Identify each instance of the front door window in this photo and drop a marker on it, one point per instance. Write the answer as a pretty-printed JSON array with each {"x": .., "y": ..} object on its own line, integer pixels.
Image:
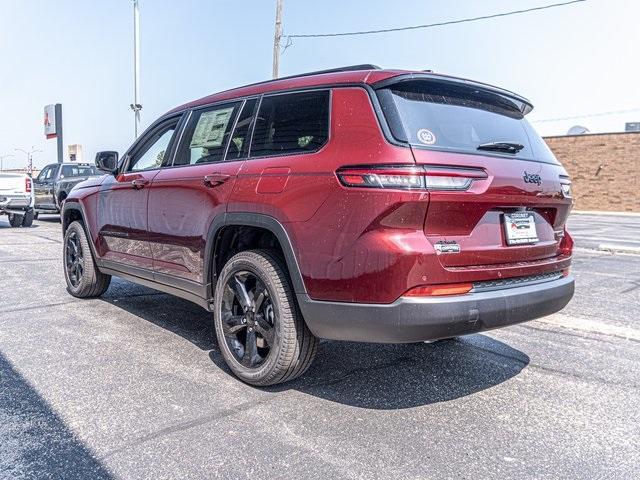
[{"x": 153, "y": 153}]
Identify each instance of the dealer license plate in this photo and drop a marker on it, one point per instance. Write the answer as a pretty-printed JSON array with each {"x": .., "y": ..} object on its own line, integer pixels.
[{"x": 520, "y": 228}]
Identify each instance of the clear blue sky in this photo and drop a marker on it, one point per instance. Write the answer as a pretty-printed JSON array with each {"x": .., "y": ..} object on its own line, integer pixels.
[{"x": 569, "y": 61}]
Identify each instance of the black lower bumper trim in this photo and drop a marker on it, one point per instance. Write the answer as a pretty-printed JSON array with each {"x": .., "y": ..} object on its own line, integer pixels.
[{"x": 430, "y": 318}]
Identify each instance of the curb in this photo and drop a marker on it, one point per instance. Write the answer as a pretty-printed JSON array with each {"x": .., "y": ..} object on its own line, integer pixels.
[
  {"x": 609, "y": 247},
  {"x": 606, "y": 213}
]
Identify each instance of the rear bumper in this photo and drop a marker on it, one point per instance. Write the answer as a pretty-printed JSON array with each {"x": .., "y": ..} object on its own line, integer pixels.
[
  {"x": 431, "y": 318},
  {"x": 15, "y": 203}
]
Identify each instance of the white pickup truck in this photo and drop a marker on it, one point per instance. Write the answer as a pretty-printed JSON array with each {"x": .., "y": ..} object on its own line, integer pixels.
[{"x": 17, "y": 198}]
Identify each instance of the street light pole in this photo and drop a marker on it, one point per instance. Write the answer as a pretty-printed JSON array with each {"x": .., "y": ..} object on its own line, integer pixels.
[
  {"x": 2, "y": 157},
  {"x": 276, "y": 39},
  {"x": 29, "y": 157},
  {"x": 136, "y": 106}
]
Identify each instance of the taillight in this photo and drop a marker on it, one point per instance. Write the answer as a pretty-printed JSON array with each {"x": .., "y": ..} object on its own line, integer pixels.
[
  {"x": 437, "y": 290},
  {"x": 566, "y": 244},
  {"x": 410, "y": 177},
  {"x": 27, "y": 185}
]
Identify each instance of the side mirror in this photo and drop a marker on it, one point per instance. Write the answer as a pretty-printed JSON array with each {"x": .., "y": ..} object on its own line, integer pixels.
[{"x": 107, "y": 161}]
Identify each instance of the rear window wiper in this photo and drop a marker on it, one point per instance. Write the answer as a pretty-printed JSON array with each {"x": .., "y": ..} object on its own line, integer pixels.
[{"x": 508, "y": 147}]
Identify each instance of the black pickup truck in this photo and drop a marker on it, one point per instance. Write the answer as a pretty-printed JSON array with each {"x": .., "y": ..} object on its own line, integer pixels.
[{"x": 56, "y": 180}]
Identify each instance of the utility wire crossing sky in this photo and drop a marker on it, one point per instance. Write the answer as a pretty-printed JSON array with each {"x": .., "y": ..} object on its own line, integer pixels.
[{"x": 439, "y": 24}]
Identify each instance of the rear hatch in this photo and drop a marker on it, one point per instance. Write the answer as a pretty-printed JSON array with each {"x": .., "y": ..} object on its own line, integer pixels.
[{"x": 454, "y": 124}]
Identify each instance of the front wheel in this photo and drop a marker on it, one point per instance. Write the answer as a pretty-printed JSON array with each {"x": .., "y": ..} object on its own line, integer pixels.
[
  {"x": 83, "y": 278},
  {"x": 260, "y": 330}
]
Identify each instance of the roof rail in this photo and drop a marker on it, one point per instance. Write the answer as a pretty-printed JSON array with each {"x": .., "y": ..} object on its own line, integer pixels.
[{"x": 350, "y": 68}]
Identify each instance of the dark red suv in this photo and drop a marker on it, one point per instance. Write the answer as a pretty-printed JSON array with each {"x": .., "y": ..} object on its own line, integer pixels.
[{"x": 351, "y": 204}]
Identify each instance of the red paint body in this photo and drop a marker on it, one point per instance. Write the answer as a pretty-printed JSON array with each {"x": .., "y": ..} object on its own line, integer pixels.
[{"x": 351, "y": 244}]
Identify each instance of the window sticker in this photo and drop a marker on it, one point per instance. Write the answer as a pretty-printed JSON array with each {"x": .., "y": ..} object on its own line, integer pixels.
[
  {"x": 210, "y": 128},
  {"x": 426, "y": 136}
]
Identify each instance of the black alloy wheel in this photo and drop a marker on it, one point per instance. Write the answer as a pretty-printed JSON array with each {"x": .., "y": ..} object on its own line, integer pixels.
[
  {"x": 261, "y": 333},
  {"x": 83, "y": 278},
  {"x": 248, "y": 320},
  {"x": 74, "y": 259}
]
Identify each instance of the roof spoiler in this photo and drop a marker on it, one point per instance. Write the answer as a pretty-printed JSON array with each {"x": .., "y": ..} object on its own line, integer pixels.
[{"x": 525, "y": 106}]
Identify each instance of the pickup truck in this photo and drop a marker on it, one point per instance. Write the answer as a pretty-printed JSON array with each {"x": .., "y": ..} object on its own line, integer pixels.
[
  {"x": 55, "y": 181},
  {"x": 17, "y": 199}
]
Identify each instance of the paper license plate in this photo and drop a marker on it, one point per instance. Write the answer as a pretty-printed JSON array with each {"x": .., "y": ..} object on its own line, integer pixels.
[{"x": 520, "y": 228}]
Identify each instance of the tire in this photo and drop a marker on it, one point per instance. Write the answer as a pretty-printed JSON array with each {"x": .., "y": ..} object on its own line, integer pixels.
[
  {"x": 285, "y": 347},
  {"x": 83, "y": 278},
  {"x": 15, "y": 220},
  {"x": 35, "y": 215},
  {"x": 27, "y": 220}
]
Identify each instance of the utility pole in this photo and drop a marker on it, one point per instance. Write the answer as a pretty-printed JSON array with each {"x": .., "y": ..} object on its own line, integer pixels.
[
  {"x": 276, "y": 39},
  {"x": 2, "y": 157},
  {"x": 136, "y": 106},
  {"x": 59, "y": 141}
]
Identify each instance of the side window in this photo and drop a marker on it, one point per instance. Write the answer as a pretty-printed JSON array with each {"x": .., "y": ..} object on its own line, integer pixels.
[
  {"x": 239, "y": 145},
  {"x": 69, "y": 171},
  {"x": 206, "y": 137},
  {"x": 45, "y": 174},
  {"x": 291, "y": 123},
  {"x": 153, "y": 152},
  {"x": 76, "y": 171}
]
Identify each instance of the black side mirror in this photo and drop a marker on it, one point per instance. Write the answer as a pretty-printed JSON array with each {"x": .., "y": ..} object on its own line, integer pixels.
[{"x": 107, "y": 161}]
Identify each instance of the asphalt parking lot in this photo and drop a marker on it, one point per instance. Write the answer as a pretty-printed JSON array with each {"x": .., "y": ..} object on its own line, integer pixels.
[{"x": 132, "y": 385}]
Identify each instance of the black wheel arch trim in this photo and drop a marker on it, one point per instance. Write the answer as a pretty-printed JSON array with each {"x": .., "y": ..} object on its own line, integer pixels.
[
  {"x": 251, "y": 220},
  {"x": 77, "y": 206}
]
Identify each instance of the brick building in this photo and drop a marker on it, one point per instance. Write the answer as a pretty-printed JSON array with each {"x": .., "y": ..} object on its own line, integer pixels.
[{"x": 604, "y": 168}]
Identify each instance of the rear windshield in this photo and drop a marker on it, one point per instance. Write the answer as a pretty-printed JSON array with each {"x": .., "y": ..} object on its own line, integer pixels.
[{"x": 451, "y": 117}]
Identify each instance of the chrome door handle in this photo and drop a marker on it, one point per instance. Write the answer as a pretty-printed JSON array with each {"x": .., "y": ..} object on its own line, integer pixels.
[
  {"x": 139, "y": 183},
  {"x": 215, "y": 179}
]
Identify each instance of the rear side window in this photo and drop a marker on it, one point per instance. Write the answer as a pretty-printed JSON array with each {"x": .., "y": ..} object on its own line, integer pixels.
[
  {"x": 291, "y": 123},
  {"x": 446, "y": 116},
  {"x": 77, "y": 171}
]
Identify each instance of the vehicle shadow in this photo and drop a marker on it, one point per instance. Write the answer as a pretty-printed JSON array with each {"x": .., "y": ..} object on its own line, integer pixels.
[
  {"x": 5, "y": 224},
  {"x": 374, "y": 376},
  {"x": 34, "y": 440},
  {"x": 48, "y": 218}
]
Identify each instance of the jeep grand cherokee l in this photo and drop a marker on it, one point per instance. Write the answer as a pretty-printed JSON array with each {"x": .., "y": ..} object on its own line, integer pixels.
[{"x": 352, "y": 204}]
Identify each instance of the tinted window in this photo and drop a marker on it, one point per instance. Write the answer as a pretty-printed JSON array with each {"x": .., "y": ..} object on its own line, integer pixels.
[
  {"x": 46, "y": 174},
  {"x": 239, "y": 145},
  {"x": 291, "y": 123},
  {"x": 152, "y": 154},
  {"x": 445, "y": 116},
  {"x": 77, "y": 171},
  {"x": 207, "y": 135}
]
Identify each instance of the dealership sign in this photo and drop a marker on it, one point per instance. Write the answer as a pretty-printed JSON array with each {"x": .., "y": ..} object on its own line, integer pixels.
[{"x": 50, "y": 130}]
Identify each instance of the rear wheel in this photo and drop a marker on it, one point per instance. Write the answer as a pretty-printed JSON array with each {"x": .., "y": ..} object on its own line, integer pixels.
[
  {"x": 260, "y": 330},
  {"x": 27, "y": 220},
  {"x": 15, "y": 220},
  {"x": 83, "y": 278}
]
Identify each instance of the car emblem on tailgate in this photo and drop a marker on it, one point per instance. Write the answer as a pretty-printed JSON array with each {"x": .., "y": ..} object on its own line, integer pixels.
[
  {"x": 532, "y": 178},
  {"x": 447, "y": 246}
]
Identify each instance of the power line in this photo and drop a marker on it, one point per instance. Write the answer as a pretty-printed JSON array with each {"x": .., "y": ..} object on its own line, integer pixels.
[
  {"x": 440, "y": 24},
  {"x": 589, "y": 115}
]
